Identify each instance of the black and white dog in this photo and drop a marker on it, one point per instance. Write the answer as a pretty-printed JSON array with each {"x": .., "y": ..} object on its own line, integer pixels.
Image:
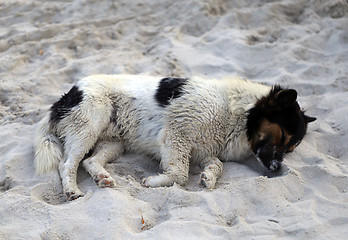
[{"x": 174, "y": 120}]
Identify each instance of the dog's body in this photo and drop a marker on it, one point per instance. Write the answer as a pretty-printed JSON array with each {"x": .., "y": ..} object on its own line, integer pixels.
[{"x": 174, "y": 120}]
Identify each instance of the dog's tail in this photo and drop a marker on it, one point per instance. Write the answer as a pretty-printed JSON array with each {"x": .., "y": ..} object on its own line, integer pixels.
[{"x": 48, "y": 148}]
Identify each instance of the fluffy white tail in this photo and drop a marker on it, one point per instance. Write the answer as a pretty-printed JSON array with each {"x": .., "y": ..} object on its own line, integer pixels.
[{"x": 48, "y": 149}]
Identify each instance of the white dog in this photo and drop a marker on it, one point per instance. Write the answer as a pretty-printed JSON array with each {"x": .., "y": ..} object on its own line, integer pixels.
[{"x": 174, "y": 120}]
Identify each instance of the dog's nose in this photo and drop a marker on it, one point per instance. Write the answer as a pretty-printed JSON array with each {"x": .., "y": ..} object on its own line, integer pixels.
[{"x": 275, "y": 165}]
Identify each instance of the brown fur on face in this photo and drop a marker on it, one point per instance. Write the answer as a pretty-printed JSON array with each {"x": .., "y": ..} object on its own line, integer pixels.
[
  {"x": 276, "y": 125},
  {"x": 275, "y": 135}
]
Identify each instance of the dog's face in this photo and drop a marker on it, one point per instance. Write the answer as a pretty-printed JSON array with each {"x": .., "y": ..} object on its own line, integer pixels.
[{"x": 276, "y": 125}]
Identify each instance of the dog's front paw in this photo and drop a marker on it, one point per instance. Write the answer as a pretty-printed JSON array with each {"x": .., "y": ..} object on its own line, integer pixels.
[
  {"x": 207, "y": 180},
  {"x": 158, "y": 181},
  {"x": 104, "y": 180}
]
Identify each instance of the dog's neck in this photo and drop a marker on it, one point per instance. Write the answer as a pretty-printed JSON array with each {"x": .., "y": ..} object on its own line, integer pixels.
[{"x": 242, "y": 96}]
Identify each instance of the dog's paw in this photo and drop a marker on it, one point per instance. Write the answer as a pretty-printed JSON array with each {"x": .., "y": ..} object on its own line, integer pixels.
[
  {"x": 104, "y": 180},
  {"x": 71, "y": 195},
  {"x": 161, "y": 180},
  {"x": 207, "y": 180}
]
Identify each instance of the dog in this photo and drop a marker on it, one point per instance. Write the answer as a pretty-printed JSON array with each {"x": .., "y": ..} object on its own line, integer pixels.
[{"x": 177, "y": 121}]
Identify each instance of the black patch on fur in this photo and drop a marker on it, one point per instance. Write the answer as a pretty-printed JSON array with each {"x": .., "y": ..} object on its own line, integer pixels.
[
  {"x": 69, "y": 100},
  {"x": 285, "y": 113},
  {"x": 169, "y": 88}
]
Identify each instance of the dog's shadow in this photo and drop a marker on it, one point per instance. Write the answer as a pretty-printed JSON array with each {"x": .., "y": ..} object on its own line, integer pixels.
[
  {"x": 252, "y": 163},
  {"x": 134, "y": 165},
  {"x": 130, "y": 169},
  {"x": 249, "y": 168},
  {"x": 133, "y": 168},
  {"x": 138, "y": 167}
]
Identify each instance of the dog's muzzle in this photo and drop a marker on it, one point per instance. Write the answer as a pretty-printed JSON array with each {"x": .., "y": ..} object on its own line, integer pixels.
[{"x": 272, "y": 165}]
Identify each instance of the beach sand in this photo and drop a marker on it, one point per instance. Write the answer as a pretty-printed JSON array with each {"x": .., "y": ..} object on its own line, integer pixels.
[{"x": 46, "y": 46}]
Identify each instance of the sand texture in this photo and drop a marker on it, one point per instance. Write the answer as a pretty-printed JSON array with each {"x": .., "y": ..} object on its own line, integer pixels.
[{"x": 46, "y": 46}]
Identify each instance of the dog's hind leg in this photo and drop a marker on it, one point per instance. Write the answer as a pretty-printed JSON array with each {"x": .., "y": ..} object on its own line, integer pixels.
[
  {"x": 68, "y": 174},
  {"x": 76, "y": 147},
  {"x": 212, "y": 170},
  {"x": 104, "y": 152}
]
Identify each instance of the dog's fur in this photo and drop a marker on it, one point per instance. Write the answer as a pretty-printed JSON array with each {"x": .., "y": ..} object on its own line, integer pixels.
[{"x": 174, "y": 120}]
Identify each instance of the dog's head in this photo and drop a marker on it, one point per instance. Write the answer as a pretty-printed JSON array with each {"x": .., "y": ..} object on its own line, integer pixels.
[{"x": 275, "y": 126}]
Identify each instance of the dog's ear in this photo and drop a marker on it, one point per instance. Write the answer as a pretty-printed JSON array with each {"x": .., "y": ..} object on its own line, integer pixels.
[
  {"x": 286, "y": 97},
  {"x": 309, "y": 119}
]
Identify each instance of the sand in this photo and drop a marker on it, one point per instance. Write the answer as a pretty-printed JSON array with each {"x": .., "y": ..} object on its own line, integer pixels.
[{"x": 46, "y": 46}]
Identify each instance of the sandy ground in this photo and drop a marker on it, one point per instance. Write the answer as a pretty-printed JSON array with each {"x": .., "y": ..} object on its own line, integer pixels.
[{"x": 46, "y": 46}]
